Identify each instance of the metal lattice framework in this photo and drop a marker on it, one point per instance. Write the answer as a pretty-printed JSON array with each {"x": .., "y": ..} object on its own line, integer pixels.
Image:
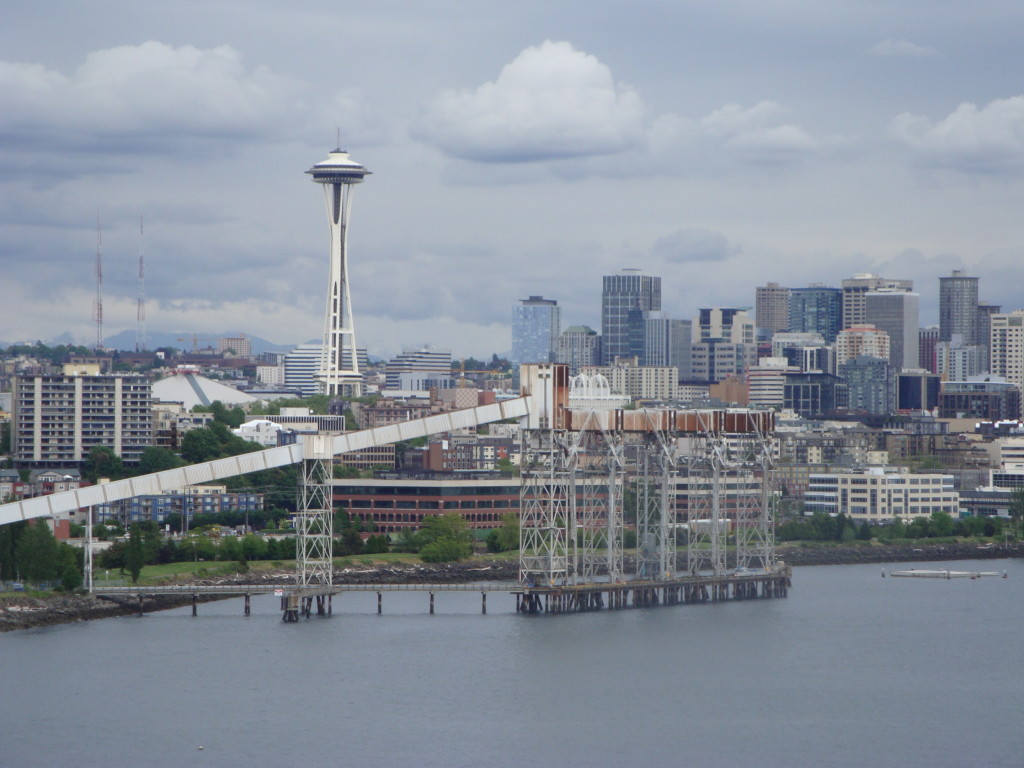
[
  {"x": 755, "y": 520},
  {"x": 707, "y": 473},
  {"x": 597, "y": 499},
  {"x": 314, "y": 520},
  {"x": 546, "y": 509},
  {"x": 656, "y": 514}
]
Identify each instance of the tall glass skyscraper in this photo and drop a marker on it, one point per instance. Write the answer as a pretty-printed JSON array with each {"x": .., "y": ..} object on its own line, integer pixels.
[
  {"x": 536, "y": 325},
  {"x": 624, "y": 299},
  {"x": 958, "y": 307},
  {"x": 816, "y": 309},
  {"x": 896, "y": 312}
]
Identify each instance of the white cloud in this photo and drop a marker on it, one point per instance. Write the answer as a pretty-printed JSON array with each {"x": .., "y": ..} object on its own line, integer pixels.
[
  {"x": 151, "y": 89},
  {"x": 156, "y": 99},
  {"x": 986, "y": 140},
  {"x": 757, "y": 135},
  {"x": 891, "y": 47},
  {"x": 550, "y": 102}
]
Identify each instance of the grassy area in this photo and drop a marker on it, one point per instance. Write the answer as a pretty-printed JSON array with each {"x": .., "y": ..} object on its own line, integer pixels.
[{"x": 153, "y": 574}]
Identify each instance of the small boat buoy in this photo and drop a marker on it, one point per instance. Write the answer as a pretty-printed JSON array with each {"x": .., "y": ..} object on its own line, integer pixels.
[{"x": 200, "y": 747}]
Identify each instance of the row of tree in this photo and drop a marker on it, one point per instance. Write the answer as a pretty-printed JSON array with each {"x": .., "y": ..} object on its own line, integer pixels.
[
  {"x": 29, "y": 552},
  {"x": 823, "y": 527}
]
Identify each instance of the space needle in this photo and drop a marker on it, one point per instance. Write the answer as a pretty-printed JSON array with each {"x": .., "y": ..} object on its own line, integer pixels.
[{"x": 339, "y": 374}]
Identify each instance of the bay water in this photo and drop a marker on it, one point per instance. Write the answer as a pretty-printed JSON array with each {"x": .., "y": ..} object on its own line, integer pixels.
[{"x": 851, "y": 669}]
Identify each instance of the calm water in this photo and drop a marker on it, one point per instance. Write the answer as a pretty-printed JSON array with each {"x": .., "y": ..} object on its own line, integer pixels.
[{"x": 850, "y": 670}]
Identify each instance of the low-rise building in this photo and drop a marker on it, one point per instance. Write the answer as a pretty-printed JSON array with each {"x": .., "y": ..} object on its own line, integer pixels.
[
  {"x": 880, "y": 494},
  {"x": 394, "y": 505}
]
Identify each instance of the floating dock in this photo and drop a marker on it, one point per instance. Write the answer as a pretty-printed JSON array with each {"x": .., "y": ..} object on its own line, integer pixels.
[{"x": 921, "y": 573}]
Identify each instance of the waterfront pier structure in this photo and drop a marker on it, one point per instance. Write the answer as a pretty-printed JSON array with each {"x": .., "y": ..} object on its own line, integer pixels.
[
  {"x": 339, "y": 374},
  {"x": 700, "y": 494},
  {"x": 698, "y": 479}
]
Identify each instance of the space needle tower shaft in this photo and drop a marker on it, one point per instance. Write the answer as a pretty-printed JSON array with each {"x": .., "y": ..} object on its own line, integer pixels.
[{"x": 339, "y": 374}]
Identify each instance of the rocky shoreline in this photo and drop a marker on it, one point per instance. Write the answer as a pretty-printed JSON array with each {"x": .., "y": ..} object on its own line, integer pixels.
[{"x": 18, "y": 612}]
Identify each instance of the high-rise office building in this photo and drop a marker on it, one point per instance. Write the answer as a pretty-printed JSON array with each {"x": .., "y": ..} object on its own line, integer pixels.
[
  {"x": 869, "y": 384},
  {"x": 816, "y": 309},
  {"x": 723, "y": 343},
  {"x": 856, "y": 288},
  {"x": 958, "y": 307},
  {"x": 536, "y": 324},
  {"x": 771, "y": 309},
  {"x": 861, "y": 341},
  {"x": 624, "y": 298},
  {"x": 984, "y": 337},
  {"x": 956, "y": 361},
  {"x": 896, "y": 312},
  {"x": 578, "y": 346},
  {"x": 927, "y": 338},
  {"x": 723, "y": 324},
  {"x": 667, "y": 342},
  {"x": 1006, "y": 349}
]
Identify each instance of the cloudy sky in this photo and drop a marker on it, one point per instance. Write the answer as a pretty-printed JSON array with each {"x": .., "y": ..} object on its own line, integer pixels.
[{"x": 516, "y": 148}]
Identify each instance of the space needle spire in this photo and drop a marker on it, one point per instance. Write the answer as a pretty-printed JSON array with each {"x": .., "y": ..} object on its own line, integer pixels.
[{"x": 339, "y": 374}]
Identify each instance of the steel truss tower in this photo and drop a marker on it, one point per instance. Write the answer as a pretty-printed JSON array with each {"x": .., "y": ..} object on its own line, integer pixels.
[
  {"x": 546, "y": 509},
  {"x": 755, "y": 516},
  {"x": 597, "y": 505},
  {"x": 339, "y": 374},
  {"x": 314, "y": 550},
  {"x": 655, "y": 508},
  {"x": 707, "y": 473},
  {"x": 727, "y": 482}
]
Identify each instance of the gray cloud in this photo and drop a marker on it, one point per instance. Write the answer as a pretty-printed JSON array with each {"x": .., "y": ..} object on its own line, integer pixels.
[
  {"x": 687, "y": 245},
  {"x": 891, "y": 47}
]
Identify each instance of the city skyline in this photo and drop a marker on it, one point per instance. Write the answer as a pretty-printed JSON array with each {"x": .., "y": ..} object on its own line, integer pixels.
[{"x": 794, "y": 145}]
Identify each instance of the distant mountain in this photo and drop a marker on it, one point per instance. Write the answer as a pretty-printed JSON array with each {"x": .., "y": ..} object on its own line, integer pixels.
[{"x": 125, "y": 340}]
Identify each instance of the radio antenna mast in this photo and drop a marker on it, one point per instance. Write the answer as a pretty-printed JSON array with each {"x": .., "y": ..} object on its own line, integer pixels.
[
  {"x": 140, "y": 312},
  {"x": 97, "y": 310}
]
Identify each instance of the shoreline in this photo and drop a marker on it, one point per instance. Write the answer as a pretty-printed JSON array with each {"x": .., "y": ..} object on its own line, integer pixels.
[{"x": 19, "y": 613}]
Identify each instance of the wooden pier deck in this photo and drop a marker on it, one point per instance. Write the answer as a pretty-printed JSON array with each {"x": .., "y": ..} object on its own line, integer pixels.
[{"x": 530, "y": 599}]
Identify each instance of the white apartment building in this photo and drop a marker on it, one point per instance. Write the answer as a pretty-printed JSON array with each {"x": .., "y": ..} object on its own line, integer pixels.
[
  {"x": 1006, "y": 346},
  {"x": 880, "y": 494},
  {"x": 639, "y": 382},
  {"x": 59, "y": 419}
]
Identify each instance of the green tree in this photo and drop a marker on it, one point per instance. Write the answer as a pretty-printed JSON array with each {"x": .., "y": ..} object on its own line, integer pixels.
[
  {"x": 254, "y": 547},
  {"x": 200, "y": 445},
  {"x": 445, "y": 551},
  {"x": 864, "y": 532},
  {"x": 841, "y": 522},
  {"x": 376, "y": 544},
  {"x": 69, "y": 570},
  {"x": 505, "y": 538},
  {"x": 135, "y": 555},
  {"x": 941, "y": 524},
  {"x": 445, "y": 538},
  {"x": 230, "y": 548},
  {"x": 37, "y": 553},
  {"x": 351, "y": 543},
  {"x": 156, "y": 459},
  {"x": 1017, "y": 509},
  {"x": 9, "y": 537},
  {"x": 102, "y": 462}
]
